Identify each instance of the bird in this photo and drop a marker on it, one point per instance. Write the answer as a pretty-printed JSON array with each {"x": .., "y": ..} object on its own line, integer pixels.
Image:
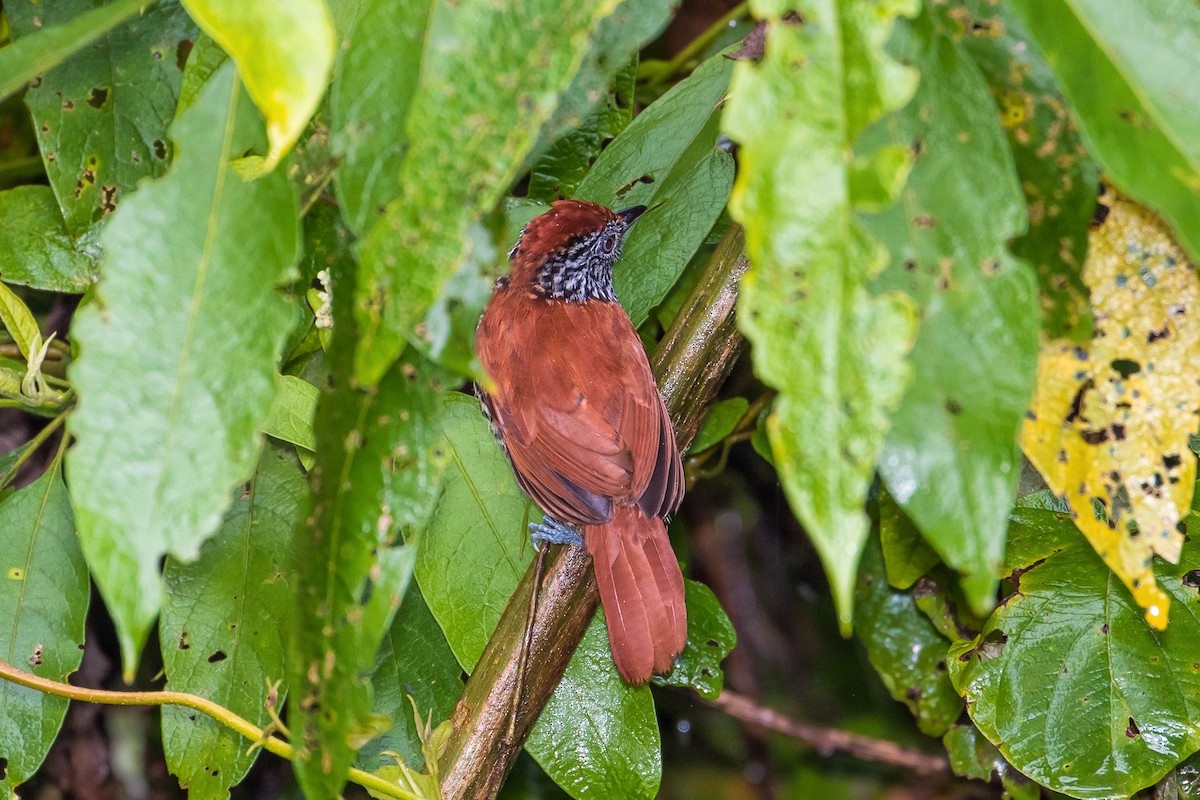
[{"x": 571, "y": 397}]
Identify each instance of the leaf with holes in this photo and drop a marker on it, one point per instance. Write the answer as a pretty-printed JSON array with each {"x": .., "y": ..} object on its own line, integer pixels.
[
  {"x": 102, "y": 115},
  {"x": 1108, "y": 426},
  {"x": 1058, "y": 678},
  {"x": 471, "y": 557},
  {"x": 177, "y": 369},
  {"x": 1058, "y": 176},
  {"x": 43, "y": 601},
  {"x": 835, "y": 351},
  {"x": 710, "y": 637},
  {"x": 1128, "y": 71},
  {"x": 225, "y": 628},
  {"x": 951, "y": 459}
]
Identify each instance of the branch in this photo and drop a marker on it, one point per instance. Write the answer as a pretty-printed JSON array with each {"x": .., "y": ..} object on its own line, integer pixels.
[
  {"x": 239, "y": 725},
  {"x": 488, "y": 727},
  {"x": 831, "y": 740}
]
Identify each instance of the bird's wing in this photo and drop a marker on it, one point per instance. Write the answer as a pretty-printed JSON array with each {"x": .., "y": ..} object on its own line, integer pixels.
[{"x": 581, "y": 418}]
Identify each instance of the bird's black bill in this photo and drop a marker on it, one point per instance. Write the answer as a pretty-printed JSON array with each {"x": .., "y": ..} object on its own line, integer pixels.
[{"x": 631, "y": 214}]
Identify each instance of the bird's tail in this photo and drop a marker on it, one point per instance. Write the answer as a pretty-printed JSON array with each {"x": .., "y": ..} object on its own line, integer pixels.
[{"x": 641, "y": 588}]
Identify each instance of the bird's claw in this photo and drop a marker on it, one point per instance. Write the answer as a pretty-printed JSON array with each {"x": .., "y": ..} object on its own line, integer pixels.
[{"x": 553, "y": 533}]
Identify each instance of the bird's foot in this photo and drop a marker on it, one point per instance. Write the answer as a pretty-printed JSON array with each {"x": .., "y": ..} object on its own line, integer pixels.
[{"x": 553, "y": 532}]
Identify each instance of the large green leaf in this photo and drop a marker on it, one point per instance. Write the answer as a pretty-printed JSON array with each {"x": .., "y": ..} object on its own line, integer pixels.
[
  {"x": 951, "y": 460},
  {"x": 102, "y": 116},
  {"x": 414, "y": 661},
  {"x": 283, "y": 50},
  {"x": 470, "y": 560},
  {"x": 43, "y": 602},
  {"x": 225, "y": 627},
  {"x": 35, "y": 249},
  {"x": 667, "y": 159},
  {"x": 834, "y": 350},
  {"x": 1129, "y": 72},
  {"x": 377, "y": 470},
  {"x": 486, "y": 85},
  {"x": 21, "y": 62},
  {"x": 1066, "y": 678},
  {"x": 177, "y": 372},
  {"x": 1058, "y": 176},
  {"x": 710, "y": 637},
  {"x": 904, "y": 647}
]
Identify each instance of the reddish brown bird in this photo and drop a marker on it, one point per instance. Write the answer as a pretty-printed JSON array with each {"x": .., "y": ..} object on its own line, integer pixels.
[{"x": 574, "y": 403}]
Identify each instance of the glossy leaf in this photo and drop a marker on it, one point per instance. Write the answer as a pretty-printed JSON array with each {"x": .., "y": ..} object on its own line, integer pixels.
[
  {"x": 44, "y": 601},
  {"x": 1128, "y": 71},
  {"x": 1058, "y": 677},
  {"x": 906, "y": 556},
  {"x": 377, "y": 472},
  {"x": 35, "y": 249},
  {"x": 833, "y": 349},
  {"x": 1058, "y": 176},
  {"x": 414, "y": 661},
  {"x": 951, "y": 459},
  {"x": 225, "y": 629},
  {"x": 666, "y": 158},
  {"x": 284, "y": 51},
  {"x": 904, "y": 647},
  {"x": 102, "y": 115},
  {"x": 21, "y": 62},
  {"x": 19, "y": 321},
  {"x": 710, "y": 638},
  {"x": 178, "y": 358},
  {"x": 1109, "y": 424},
  {"x": 470, "y": 560},
  {"x": 719, "y": 422},
  {"x": 481, "y": 97},
  {"x": 973, "y": 756}
]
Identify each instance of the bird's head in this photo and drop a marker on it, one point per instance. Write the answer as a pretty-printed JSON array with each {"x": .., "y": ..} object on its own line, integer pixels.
[{"x": 568, "y": 252}]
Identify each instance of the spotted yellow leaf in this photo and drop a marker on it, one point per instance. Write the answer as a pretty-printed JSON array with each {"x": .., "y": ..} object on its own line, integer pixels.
[
  {"x": 284, "y": 51},
  {"x": 1109, "y": 421}
]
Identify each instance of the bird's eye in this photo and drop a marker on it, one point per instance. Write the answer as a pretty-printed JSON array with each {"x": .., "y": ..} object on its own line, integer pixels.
[{"x": 609, "y": 243}]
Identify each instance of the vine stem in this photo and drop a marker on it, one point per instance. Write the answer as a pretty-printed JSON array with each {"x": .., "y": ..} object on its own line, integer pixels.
[
  {"x": 693, "y": 48},
  {"x": 223, "y": 715}
]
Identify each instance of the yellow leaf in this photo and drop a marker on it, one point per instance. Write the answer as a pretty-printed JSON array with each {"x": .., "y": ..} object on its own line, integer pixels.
[
  {"x": 1109, "y": 421},
  {"x": 284, "y": 50}
]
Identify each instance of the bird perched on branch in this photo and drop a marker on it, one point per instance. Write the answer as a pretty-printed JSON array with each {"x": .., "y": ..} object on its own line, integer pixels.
[{"x": 573, "y": 401}]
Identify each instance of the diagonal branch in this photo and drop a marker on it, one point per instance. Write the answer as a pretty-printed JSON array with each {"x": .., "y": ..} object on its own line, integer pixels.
[{"x": 691, "y": 364}]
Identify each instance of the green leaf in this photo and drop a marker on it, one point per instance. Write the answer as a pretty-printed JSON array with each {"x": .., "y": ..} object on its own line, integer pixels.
[
  {"x": 19, "y": 322},
  {"x": 834, "y": 350},
  {"x": 283, "y": 50},
  {"x": 1128, "y": 71},
  {"x": 102, "y": 115},
  {"x": 379, "y": 463},
  {"x": 482, "y": 95},
  {"x": 614, "y": 44},
  {"x": 415, "y": 661},
  {"x": 225, "y": 629},
  {"x": 720, "y": 421},
  {"x": 906, "y": 556},
  {"x": 369, "y": 101},
  {"x": 710, "y": 638},
  {"x": 479, "y": 529},
  {"x": 177, "y": 373},
  {"x": 291, "y": 417},
  {"x": 903, "y": 646},
  {"x": 44, "y": 601},
  {"x": 22, "y": 61},
  {"x": 35, "y": 249},
  {"x": 1056, "y": 173},
  {"x": 973, "y": 756},
  {"x": 1058, "y": 678},
  {"x": 951, "y": 460},
  {"x": 206, "y": 57},
  {"x": 666, "y": 158}
]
